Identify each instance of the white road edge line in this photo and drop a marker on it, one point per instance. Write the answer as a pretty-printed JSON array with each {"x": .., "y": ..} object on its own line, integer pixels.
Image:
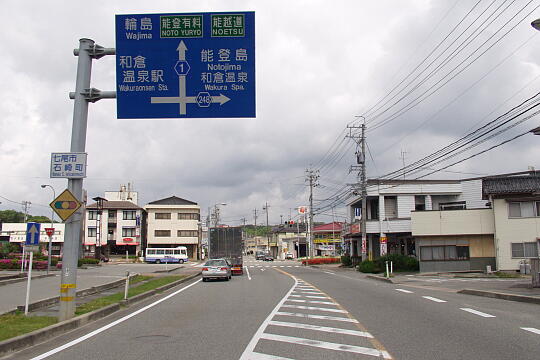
[
  {"x": 479, "y": 313},
  {"x": 108, "y": 326},
  {"x": 249, "y": 350},
  {"x": 327, "y": 345},
  {"x": 533, "y": 330},
  {"x": 434, "y": 299},
  {"x": 247, "y": 271}
]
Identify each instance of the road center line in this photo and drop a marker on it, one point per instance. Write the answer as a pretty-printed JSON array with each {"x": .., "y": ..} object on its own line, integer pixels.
[
  {"x": 247, "y": 272},
  {"x": 108, "y": 326},
  {"x": 434, "y": 299},
  {"x": 479, "y": 313},
  {"x": 533, "y": 330}
]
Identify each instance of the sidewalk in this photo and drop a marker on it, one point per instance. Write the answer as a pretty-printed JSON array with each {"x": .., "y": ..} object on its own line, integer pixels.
[{"x": 13, "y": 295}]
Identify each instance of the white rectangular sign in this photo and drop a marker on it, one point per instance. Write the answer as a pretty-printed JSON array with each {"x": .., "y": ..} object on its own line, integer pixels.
[
  {"x": 68, "y": 165},
  {"x": 326, "y": 247}
]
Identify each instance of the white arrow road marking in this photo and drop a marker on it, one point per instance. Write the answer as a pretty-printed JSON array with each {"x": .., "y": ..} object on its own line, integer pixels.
[
  {"x": 533, "y": 330},
  {"x": 434, "y": 299},
  {"x": 322, "y": 328},
  {"x": 327, "y": 345},
  {"x": 479, "y": 313}
]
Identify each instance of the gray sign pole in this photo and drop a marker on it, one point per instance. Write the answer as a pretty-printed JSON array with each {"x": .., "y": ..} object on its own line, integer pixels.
[{"x": 83, "y": 95}]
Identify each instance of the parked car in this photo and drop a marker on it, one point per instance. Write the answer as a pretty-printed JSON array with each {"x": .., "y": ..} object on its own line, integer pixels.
[
  {"x": 289, "y": 256},
  {"x": 216, "y": 269},
  {"x": 268, "y": 257},
  {"x": 259, "y": 255}
]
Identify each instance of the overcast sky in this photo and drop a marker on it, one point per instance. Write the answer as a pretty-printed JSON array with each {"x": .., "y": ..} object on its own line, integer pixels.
[{"x": 318, "y": 63}]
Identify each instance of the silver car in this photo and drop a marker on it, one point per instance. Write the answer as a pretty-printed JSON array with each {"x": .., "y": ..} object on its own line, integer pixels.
[{"x": 216, "y": 269}]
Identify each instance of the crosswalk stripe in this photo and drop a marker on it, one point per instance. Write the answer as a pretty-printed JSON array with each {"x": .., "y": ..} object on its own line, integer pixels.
[
  {"x": 319, "y": 317},
  {"x": 322, "y": 328},
  {"x": 302, "y": 307},
  {"x": 327, "y": 345}
]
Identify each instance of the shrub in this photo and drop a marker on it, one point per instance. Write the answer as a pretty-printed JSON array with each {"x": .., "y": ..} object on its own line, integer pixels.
[
  {"x": 88, "y": 261},
  {"x": 318, "y": 261},
  {"x": 346, "y": 260},
  {"x": 368, "y": 267},
  {"x": 399, "y": 262}
]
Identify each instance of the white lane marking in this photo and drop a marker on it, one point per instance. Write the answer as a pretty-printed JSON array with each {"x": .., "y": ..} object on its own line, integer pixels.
[
  {"x": 247, "y": 272},
  {"x": 302, "y": 307},
  {"x": 328, "y": 272},
  {"x": 305, "y": 291},
  {"x": 249, "y": 350},
  {"x": 479, "y": 313},
  {"x": 322, "y": 328},
  {"x": 404, "y": 291},
  {"x": 262, "y": 269},
  {"x": 319, "y": 317},
  {"x": 289, "y": 265},
  {"x": 434, "y": 299},
  {"x": 261, "y": 356},
  {"x": 312, "y": 301},
  {"x": 297, "y": 266},
  {"x": 533, "y": 330},
  {"x": 108, "y": 326},
  {"x": 310, "y": 296},
  {"x": 327, "y": 345}
]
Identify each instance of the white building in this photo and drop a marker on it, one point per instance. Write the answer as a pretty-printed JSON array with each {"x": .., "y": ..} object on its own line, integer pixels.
[
  {"x": 389, "y": 207},
  {"x": 173, "y": 222},
  {"x": 16, "y": 233}
]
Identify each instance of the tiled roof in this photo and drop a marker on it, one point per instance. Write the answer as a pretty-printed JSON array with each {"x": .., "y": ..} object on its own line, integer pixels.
[
  {"x": 511, "y": 185},
  {"x": 335, "y": 226},
  {"x": 173, "y": 200},
  {"x": 115, "y": 205}
]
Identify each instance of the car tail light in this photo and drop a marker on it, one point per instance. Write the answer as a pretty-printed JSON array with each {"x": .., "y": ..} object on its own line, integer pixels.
[
  {"x": 223, "y": 269},
  {"x": 204, "y": 269}
]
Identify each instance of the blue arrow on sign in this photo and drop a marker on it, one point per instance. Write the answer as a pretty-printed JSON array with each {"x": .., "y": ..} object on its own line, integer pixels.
[{"x": 32, "y": 233}]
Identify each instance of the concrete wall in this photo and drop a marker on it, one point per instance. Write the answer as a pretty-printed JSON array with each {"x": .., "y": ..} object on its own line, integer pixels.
[
  {"x": 509, "y": 230},
  {"x": 452, "y": 222}
]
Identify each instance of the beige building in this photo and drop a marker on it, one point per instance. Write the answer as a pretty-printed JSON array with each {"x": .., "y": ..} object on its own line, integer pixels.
[{"x": 173, "y": 222}]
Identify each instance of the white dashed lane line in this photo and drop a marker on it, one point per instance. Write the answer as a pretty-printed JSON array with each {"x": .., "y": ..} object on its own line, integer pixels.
[
  {"x": 533, "y": 330},
  {"x": 479, "y": 313},
  {"x": 404, "y": 291},
  {"x": 434, "y": 299}
]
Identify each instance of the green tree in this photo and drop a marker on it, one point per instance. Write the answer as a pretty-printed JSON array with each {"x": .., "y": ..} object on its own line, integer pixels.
[{"x": 12, "y": 216}]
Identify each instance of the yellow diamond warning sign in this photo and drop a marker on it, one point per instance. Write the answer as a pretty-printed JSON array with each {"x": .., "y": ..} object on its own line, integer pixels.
[{"x": 65, "y": 205}]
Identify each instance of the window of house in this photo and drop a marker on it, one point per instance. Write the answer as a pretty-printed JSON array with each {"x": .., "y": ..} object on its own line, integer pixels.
[
  {"x": 191, "y": 216},
  {"x": 537, "y": 208},
  {"x": 112, "y": 214},
  {"x": 459, "y": 205},
  {"x": 419, "y": 202},
  {"x": 92, "y": 215},
  {"x": 92, "y": 232},
  {"x": 522, "y": 209},
  {"x": 444, "y": 253},
  {"x": 162, "y": 233},
  {"x": 163, "y": 216},
  {"x": 524, "y": 250},
  {"x": 187, "y": 233},
  {"x": 128, "y": 231},
  {"x": 129, "y": 214}
]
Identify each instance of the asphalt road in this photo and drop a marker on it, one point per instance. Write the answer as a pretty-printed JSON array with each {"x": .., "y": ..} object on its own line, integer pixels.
[{"x": 285, "y": 311}]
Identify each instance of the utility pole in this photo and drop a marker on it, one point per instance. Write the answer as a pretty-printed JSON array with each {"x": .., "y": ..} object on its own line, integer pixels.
[
  {"x": 311, "y": 176},
  {"x": 361, "y": 180},
  {"x": 26, "y": 208},
  {"x": 281, "y": 219},
  {"x": 265, "y": 208},
  {"x": 403, "y": 152},
  {"x": 255, "y": 232}
]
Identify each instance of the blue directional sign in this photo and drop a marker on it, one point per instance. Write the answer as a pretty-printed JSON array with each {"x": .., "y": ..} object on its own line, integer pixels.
[
  {"x": 196, "y": 65},
  {"x": 32, "y": 233}
]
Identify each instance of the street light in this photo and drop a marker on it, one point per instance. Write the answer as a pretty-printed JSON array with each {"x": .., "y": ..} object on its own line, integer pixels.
[
  {"x": 536, "y": 131},
  {"x": 52, "y": 226},
  {"x": 536, "y": 24},
  {"x": 216, "y": 213}
]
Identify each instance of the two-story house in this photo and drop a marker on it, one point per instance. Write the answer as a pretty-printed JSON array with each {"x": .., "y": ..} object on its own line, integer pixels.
[{"x": 173, "y": 222}]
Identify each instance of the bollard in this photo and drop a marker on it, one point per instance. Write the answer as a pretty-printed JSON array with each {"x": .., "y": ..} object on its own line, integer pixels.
[
  {"x": 391, "y": 267},
  {"x": 127, "y": 286},
  {"x": 387, "y": 274}
]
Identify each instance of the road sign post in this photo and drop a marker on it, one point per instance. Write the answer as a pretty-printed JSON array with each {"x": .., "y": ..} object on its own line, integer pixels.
[
  {"x": 31, "y": 244},
  {"x": 196, "y": 65}
]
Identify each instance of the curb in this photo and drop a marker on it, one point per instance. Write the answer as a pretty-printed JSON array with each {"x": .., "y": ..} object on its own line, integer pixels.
[
  {"x": 379, "y": 278},
  {"x": 23, "y": 278},
  {"x": 40, "y": 335},
  {"x": 503, "y": 296},
  {"x": 89, "y": 291},
  {"x": 168, "y": 271}
]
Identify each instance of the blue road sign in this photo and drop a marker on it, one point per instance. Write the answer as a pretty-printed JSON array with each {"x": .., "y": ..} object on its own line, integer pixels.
[
  {"x": 32, "y": 233},
  {"x": 196, "y": 65}
]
